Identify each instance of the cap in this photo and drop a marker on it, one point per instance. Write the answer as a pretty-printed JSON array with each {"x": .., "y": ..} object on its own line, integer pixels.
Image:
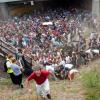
[{"x": 37, "y": 66}]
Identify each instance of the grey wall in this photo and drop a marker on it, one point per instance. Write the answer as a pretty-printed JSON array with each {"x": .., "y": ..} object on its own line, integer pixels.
[
  {"x": 96, "y": 8},
  {"x": 1, "y": 1},
  {"x": 4, "y": 13}
]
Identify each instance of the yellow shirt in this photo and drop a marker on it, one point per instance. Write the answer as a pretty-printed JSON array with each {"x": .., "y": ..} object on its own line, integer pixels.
[
  {"x": 9, "y": 70},
  {"x": 8, "y": 67}
]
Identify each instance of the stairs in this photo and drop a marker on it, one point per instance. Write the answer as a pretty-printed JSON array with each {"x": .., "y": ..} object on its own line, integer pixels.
[{"x": 6, "y": 48}]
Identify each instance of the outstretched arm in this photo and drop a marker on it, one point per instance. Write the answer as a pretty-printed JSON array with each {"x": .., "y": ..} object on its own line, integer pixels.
[
  {"x": 20, "y": 65},
  {"x": 28, "y": 79},
  {"x": 28, "y": 86},
  {"x": 53, "y": 75}
]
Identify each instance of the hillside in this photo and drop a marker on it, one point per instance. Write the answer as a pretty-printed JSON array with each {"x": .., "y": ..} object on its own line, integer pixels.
[{"x": 59, "y": 90}]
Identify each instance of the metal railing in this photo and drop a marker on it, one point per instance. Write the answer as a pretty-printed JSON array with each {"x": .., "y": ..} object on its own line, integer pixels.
[{"x": 6, "y": 48}]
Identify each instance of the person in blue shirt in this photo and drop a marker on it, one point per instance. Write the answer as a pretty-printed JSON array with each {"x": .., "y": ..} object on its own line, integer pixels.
[{"x": 17, "y": 71}]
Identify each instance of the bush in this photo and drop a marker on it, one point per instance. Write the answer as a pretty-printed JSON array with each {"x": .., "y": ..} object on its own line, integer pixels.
[
  {"x": 91, "y": 84},
  {"x": 92, "y": 95}
]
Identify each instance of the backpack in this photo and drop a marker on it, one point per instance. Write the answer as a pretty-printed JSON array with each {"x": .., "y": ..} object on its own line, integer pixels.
[{"x": 5, "y": 66}]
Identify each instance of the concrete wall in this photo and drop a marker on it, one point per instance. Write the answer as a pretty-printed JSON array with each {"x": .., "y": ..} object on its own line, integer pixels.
[
  {"x": 2, "y": 1},
  {"x": 24, "y": 9},
  {"x": 4, "y": 13},
  {"x": 96, "y": 8}
]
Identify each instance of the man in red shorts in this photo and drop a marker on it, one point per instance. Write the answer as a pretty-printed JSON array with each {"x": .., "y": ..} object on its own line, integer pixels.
[{"x": 40, "y": 76}]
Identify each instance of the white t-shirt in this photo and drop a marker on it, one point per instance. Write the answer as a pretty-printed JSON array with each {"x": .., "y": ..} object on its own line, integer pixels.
[
  {"x": 69, "y": 66},
  {"x": 96, "y": 51},
  {"x": 49, "y": 68},
  {"x": 67, "y": 59},
  {"x": 8, "y": 64},
  {"x": 62, "y": 63}
]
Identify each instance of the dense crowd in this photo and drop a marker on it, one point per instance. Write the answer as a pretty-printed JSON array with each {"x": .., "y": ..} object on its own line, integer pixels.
[
  {"x": 66, "y": 27},
  {"x": 55, "y": 39}
]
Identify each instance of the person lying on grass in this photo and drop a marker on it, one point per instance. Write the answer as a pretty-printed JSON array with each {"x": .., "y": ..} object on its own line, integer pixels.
[{"x": 40, "y": 76}]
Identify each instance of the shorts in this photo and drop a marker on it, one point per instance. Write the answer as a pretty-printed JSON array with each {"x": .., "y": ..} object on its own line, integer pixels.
[{"x": 43, "y": 89}]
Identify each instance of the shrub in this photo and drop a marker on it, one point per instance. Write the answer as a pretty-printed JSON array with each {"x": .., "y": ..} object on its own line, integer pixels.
[{"x": 91, "y": 84}]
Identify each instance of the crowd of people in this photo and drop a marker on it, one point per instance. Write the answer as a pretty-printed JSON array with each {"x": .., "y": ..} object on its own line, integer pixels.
[
  {"x": 55, "y": 39},
  {"x": 66, "y": 31}
]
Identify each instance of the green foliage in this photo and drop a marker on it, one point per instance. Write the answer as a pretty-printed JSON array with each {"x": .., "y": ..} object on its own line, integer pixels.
[
  {"x": 91, "y": 83},
  {"x": 91, "y": 79},
  {"x": 92, "y": 95}
]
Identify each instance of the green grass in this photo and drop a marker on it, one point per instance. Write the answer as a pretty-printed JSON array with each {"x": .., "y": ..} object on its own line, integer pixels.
[{"x": 91, "y": 84}]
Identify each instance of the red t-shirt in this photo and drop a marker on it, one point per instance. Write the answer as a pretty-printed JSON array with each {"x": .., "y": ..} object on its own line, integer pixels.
[{"x": 39, "y": 79}]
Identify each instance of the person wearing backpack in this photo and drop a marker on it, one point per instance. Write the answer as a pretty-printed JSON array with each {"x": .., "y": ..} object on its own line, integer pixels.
[
  {"x": 8, "y": 68},
  {"x": 7, "y": 63},
  {"x": 5, "y": 66}
]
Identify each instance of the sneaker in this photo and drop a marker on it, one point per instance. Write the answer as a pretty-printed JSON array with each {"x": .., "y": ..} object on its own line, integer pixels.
[{"x": 48, "y": 96}]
